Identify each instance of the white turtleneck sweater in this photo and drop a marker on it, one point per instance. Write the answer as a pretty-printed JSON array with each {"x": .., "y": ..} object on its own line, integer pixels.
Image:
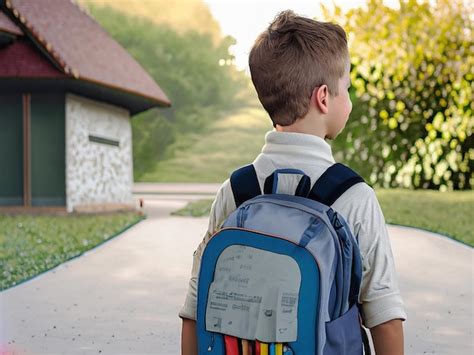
[{"x": 379, "y": 294}]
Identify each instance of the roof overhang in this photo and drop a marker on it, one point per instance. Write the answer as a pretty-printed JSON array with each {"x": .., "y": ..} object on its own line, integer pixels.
[{"x": 134, "y": 103}]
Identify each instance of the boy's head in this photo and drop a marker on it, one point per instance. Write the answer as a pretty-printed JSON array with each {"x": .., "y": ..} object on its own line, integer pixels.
[{"x": 295, "y": 59}]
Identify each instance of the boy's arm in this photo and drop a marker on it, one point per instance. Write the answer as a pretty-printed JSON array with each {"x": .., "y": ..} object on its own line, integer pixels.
[
  {"x": 188, "y": 311},
  {"x": 188, "y": 337},
  {"x": 388, "y": 338}
]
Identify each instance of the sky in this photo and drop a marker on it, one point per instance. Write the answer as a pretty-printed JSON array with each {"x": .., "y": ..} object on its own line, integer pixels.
[{"x": 246, "y": 19}]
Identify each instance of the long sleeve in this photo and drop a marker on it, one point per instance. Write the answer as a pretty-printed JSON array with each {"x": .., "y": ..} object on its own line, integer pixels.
[{"x": 379, "y": 294}]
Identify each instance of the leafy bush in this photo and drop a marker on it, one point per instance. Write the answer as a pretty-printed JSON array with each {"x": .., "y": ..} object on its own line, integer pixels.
[
  {"x": 413, "y": 84},
  {"x": 187, "y": 66}
]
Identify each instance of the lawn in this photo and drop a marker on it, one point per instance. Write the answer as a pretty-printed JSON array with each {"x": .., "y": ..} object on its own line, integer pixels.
[
  {"x": 448, "y": 213},
  {"x": 30, "y": 245}
]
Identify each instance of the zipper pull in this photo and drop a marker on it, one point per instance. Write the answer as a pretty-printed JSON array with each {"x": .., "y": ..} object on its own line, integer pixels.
[{"x": 211, "y": 345}]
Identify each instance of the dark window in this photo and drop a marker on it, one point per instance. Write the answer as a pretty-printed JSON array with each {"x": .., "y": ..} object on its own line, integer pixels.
[{"x": 104, "y": 140}]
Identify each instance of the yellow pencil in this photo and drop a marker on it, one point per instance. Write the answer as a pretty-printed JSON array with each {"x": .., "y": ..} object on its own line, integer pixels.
[
  {"x": 278, "y": 349},
  {"x": 263, "y": 349}
]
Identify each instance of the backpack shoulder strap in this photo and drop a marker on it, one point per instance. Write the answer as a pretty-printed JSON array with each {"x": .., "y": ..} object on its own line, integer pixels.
[
  {"x": 336, "y": 180},
  {"x": 244, "y": 184}
]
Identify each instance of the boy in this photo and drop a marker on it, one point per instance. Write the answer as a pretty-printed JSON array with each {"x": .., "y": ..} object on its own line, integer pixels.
[{"x": 300, "y": 70}]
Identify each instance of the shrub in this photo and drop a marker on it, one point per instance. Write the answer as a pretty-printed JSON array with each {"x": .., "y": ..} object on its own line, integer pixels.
[{"x": 412, "y": 75}]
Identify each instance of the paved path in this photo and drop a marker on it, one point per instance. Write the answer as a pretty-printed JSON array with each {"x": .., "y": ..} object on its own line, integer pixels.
[
  {"x": 174, "y": 188},
  {"x": 436, "y": 282},
  {"x": 123, "y": 297}
]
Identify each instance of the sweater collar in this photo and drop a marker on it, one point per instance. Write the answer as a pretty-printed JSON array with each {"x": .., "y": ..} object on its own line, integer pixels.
[{"x": 311, "y": 146}]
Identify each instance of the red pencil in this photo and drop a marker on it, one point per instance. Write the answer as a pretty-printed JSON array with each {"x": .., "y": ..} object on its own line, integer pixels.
[
  {"x": 257, "y": 347},
  {"x": 231, "y": 345}
]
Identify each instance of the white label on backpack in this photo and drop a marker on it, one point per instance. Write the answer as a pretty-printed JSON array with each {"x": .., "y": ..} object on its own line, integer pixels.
[{"x": 254, "y": 295}]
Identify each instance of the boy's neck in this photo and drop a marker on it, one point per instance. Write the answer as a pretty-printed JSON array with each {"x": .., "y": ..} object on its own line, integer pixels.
[{"x": 306, "y": 125}]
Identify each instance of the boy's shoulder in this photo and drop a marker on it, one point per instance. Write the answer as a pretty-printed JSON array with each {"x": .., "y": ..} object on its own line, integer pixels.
[
  {"x": 359, "y": 202},
  {"x": 361, "y": 192}
]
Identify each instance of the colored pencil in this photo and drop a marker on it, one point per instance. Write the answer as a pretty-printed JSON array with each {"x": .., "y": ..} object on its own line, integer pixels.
[
  {"x": 231, "y": 345},
  {"x": 278, "y": 349}
]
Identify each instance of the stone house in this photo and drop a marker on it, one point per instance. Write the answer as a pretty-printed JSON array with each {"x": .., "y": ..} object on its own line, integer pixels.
[{"x": 67, "y": 92}]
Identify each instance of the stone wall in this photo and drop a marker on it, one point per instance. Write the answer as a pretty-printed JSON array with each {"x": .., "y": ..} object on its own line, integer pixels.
[{"x": 98, "y": 173}]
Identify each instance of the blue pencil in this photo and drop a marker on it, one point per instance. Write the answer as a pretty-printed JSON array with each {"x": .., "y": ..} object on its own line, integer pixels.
[{"x": 272, "y": 349}]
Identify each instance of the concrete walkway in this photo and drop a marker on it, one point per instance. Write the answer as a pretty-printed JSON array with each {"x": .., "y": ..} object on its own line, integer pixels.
[
  {"x": 123, "y": 297},
  {"x": 174, "y": 188}
]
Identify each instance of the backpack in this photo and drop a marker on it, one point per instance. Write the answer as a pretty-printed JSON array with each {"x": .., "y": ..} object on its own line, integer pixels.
[{"x": 283, "y": 274}]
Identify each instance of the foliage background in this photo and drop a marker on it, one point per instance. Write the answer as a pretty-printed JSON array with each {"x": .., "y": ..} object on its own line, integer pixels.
[
  {"x": 412, "y": 75},
  {"x": 192, "y": 66}
]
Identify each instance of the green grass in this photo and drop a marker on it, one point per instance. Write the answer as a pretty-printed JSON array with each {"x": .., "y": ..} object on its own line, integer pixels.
[
  {"x": 30, "y": 245},
  {"x": 197, "y": 208},
  {"x": 210, "y": 157},
  {"x": 448, "y": 213}
]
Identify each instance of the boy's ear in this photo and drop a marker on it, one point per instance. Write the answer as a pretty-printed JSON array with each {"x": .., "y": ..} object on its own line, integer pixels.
[{"x": 320, "y": 98}]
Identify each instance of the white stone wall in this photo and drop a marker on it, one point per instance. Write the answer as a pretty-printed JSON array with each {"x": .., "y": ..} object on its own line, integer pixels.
[{"x": 96, "y": 173}]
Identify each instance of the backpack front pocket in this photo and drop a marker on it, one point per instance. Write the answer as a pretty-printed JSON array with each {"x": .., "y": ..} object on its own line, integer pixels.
[{"x": 343, "y": 334}]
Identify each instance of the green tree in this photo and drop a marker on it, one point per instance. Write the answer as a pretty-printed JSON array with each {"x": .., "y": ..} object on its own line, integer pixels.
[
  {"x": 187, "y": 66},
  {"x": 412, "y": 75}
]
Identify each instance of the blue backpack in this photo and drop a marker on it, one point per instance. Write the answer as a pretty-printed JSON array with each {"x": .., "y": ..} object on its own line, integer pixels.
[{"x": 283, "y": 274}]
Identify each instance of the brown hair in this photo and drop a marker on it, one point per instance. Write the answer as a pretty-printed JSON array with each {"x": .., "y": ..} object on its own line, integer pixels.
[{"x": 293, "y": 56}]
